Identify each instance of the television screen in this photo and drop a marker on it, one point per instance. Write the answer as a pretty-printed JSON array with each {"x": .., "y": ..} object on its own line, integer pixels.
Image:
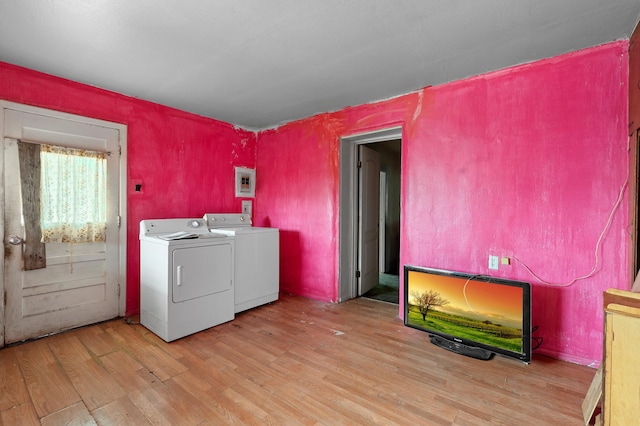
[{"x": 476, "y": 315}]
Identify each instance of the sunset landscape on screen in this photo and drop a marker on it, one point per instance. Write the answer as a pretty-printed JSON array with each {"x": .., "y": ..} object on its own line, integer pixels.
[{"x": 472, "y": 299}]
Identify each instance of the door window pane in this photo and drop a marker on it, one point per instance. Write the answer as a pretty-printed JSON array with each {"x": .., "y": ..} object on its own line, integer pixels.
[{"x": 73, "y": 194}]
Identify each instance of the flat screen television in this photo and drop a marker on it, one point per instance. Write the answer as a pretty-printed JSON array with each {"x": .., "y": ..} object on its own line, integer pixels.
[{"x": 475, "y": 315}]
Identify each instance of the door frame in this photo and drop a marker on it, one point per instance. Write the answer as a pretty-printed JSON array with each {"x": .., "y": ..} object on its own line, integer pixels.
[
  {"x": 122, "y": 197},
  {"x": 348, "y": 217}
]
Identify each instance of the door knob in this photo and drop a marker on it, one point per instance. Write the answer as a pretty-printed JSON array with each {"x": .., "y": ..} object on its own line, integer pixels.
[{"x": 15, "y": 240}]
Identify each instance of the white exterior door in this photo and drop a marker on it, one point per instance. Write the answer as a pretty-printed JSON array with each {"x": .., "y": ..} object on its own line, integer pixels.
[
  {"x": 80, "y": 283},
  {"x": 369, "y": 211}
]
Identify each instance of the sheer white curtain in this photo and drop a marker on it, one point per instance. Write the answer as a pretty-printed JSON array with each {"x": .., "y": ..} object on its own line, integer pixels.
[{"x": 73, "y": 195}]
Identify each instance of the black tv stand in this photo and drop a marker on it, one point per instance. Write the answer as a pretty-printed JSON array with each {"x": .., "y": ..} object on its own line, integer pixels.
[{"x": 460, "y": 348}]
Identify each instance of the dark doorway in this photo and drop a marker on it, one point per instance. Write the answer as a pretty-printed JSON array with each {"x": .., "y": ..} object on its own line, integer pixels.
[{"x": 387, "y": 289}]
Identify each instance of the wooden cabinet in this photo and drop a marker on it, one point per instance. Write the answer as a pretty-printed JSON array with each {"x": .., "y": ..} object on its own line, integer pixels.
[{"x": 621, "y": 390}]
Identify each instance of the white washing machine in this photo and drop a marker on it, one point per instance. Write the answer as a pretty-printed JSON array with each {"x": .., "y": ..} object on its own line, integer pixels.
[
  {"x": 186, "y": 277},
  {"x": 257, "y": 259}
]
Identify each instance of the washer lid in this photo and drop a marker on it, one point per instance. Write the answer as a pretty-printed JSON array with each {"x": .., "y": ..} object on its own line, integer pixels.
[{"x": 242, "y": 231}]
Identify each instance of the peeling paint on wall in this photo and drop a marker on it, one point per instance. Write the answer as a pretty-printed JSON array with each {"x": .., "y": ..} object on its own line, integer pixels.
[
  {"x": 522, "y": 162},
  {"x": 177, "y": 155}
]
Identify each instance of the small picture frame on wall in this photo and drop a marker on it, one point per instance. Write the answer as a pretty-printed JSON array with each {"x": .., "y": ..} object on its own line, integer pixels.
[{"x": 245, "y": 182}]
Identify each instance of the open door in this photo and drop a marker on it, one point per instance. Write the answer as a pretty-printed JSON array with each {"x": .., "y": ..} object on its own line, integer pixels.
[
  {"x": 382, "y": 227},
  {"x": 369, "y": 214}
]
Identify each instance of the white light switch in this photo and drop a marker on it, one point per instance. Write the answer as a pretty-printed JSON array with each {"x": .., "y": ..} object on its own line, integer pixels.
[{"x": 246, "y": 207}]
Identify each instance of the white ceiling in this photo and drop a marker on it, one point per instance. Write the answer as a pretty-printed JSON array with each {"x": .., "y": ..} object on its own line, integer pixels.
[{"x": 259, "y": 63}]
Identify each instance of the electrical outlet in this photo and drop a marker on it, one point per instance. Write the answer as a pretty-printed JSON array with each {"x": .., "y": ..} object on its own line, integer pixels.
[{"x": 493, "y": 262}]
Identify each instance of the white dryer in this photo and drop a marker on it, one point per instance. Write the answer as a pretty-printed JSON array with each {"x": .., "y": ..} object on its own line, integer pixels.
[
  {"x": 186, "y": 277},
  {"x": 257, "y": 258}
]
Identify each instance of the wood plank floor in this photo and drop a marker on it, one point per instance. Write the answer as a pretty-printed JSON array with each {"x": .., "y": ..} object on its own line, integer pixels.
[{"x": 296, "y": 361}]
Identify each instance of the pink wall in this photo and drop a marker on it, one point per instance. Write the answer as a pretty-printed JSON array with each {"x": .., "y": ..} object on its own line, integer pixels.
[
  {"x": 527, "y": 162},
  {"x": 184, "y": 162}
]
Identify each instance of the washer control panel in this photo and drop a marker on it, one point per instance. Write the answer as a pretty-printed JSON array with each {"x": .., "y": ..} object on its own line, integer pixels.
[{"x": 227, "y": 220}]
